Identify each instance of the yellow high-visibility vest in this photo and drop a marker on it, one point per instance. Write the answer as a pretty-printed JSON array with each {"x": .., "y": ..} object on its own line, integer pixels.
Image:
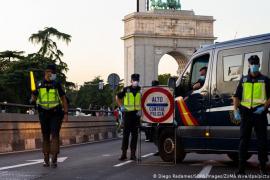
[
  {"x": 131, "y": 102},
  {"x": 48, "y": 99},
  {"x": 254, "y": 94}
]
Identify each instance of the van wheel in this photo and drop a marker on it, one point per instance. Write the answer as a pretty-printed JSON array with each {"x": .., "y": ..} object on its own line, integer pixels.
[
  {"x": 167, "y": 147},
  {"x": 235, "y": 157}
]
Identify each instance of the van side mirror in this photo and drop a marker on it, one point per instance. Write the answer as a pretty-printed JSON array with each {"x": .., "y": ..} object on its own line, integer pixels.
[{"x": 172, "y": 82}]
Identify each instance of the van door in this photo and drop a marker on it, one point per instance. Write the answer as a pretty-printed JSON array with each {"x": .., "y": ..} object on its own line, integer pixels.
[
  {"x": 230, "y": 65},
  {"x": 191, "y": 103}
]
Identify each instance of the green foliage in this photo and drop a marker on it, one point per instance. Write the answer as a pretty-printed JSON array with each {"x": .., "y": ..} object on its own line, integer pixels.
[
  {"x": 163, "y": 78},
  {"x": 15, "y": 66},
  {"x": 48, "y": 46},
  {"x": 89, "y": 95}
]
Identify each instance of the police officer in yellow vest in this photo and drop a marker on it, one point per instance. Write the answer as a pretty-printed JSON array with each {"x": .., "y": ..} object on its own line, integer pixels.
[
  {"x": 251, "y": 102},
  {"x": 129, "y": 99},
  {"x": 52, "y": 108}
]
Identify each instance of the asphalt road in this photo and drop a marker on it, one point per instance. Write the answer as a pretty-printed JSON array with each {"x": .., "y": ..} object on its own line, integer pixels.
[{"x": 100, "y": 161}]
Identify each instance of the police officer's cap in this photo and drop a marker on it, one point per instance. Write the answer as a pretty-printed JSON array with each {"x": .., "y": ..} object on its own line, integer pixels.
[
  {"x": 51, "y": 67},
  {"x": 254, "y": 59},
  {"x": 135, "y": 77},
  {"x": 155, "y": 83}
]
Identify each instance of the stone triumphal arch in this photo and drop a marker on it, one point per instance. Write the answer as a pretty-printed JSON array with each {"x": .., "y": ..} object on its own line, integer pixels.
[{"x": 151, "y": 34}]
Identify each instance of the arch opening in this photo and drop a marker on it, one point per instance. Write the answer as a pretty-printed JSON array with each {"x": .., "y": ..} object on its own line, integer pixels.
[{"x": 171, "y": 64}]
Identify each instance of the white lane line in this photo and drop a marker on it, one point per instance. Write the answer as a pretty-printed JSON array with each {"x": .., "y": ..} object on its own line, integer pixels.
[
  {"x": 20, "y": 165},
  {"x": 204, "y": 172},
  {"x": 106, "y": 155},
  {"x": 127, "y": 162},
  {"x": 147, "y": 155},
  {"x": 122, "y": 164},
  {"x": 31, "y": 162}
]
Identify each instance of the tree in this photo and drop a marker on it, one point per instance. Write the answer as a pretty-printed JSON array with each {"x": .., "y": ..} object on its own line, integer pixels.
[
  {"x": 89, "y": 94},
  {"x": 49, "y": 47},
  {"x": 49, "y": 52},
  {"x": 163, "y": 78},
  {"x": 14, "y": 67},
  {"x": 7, "y": 56},
  {"x": 11, "y": 55}
]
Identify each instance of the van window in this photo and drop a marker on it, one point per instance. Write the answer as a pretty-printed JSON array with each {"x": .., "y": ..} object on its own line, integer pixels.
[
  {"x": 259, "y": 54},
  {"x": 228, "y": 72},
  {"x": 192, "y": 74},
  {"x": 199, "y": 63},
  {"x": 232, "y": 68}
]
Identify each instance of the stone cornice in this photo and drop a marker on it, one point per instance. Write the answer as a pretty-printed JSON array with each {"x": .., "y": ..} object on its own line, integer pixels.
[
  {"x": 168, "y": 14},
  {"x": 170, "y": 37}
]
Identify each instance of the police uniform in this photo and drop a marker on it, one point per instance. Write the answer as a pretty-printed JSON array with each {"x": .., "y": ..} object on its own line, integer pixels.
[
  {"x": 49, "y": 95},
  {"x": 200, "y": 81},
  {"x": 132, "y": 103},
  {"x": 253, "y": 92}
]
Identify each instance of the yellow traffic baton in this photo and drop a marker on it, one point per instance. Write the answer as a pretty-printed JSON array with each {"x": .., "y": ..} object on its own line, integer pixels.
[{"x": 32, "y": 81}]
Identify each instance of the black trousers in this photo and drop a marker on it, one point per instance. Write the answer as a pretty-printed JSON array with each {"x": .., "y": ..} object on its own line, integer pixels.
[
  {"x": 259, "y": 122},
  {"x": 131, "y": 125},
  {"x": 51, "y": 121}
]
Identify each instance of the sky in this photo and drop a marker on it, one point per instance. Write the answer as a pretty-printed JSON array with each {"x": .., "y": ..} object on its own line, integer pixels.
[{"x": 96, "y": 28}]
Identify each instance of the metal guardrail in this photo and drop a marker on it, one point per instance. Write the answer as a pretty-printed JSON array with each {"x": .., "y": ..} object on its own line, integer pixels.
[
  {"x": 15, "y": 105},
  {"x": 22, "y": 108},
  {"x": 14, "y": 108}
]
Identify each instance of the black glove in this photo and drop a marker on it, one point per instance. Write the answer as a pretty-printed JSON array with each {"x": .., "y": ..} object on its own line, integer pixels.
[{"x": 32, "y": 102}]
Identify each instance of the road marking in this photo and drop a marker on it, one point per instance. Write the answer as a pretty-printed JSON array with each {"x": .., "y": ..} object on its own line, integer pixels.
[
  {"x": 210, "y": 162},
  {"x": 21, "y": 165},
  {"x": 147, "y": 155},
  {"x": 61, "y": 159},
  {"x": 127, "y": 162},
  {"x": 204, "y": 172},
  {"x": 122, "y": 164},
  {"x": 106, "y": 155},
  {"x": 31, "y": 162}
]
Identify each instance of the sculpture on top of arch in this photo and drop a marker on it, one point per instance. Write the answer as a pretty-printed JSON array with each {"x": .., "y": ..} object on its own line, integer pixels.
[{"x": 166, "y": 4}]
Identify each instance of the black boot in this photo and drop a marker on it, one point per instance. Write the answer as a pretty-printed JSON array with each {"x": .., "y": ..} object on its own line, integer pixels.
[
  {"x": 241, "y": 170},
  {"x": 123, "y": 156},
  {"x": 54, "y": 161},
  {"x": 46, "y": 160},
  {"x": 263, "y": 169},
  {"x": 133, "y": 155}
]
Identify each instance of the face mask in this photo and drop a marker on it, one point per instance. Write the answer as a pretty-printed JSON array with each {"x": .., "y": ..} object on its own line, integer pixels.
[
  {"x": 202, "y": 78},
  {"x": 254, "y": 68},
  {"x": 53, "y": 77},
  {"x": 135, "y": 83}
]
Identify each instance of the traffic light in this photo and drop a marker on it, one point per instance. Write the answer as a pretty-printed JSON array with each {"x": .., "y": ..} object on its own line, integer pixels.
[{"x": 100, "y": 85}]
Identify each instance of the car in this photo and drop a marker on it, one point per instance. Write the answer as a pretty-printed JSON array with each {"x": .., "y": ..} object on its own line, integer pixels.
[
  {"x": 80, "y": 113},
  {"x": 204, "y": 117}
]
